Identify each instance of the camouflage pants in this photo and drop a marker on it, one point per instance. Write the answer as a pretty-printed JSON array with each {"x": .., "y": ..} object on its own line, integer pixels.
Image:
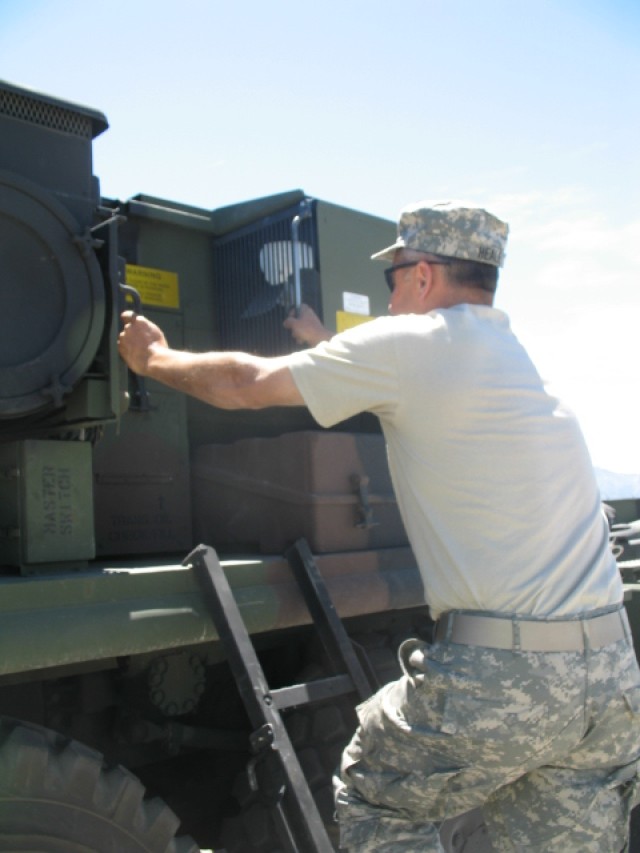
[{"x": 547, "y": 743}]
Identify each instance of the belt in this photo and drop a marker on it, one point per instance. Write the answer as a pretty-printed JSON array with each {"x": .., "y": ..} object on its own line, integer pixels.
[{"x": 530, "y": 635}]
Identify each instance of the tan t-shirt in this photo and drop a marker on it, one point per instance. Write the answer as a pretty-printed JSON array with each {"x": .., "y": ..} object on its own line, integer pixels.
[{"x": 491, "y": 472}]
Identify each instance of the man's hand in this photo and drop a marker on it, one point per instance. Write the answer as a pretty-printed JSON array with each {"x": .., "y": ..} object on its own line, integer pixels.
[
  {"x": 138, "y": 341},
  {"x": 306, "y": 328}
]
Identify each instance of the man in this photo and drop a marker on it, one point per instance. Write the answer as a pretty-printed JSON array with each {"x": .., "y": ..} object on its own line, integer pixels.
[{"x": 528, "y": 702}]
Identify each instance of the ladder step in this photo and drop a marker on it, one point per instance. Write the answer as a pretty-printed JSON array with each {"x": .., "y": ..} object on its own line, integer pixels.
[{"x": 312, "y": 691}]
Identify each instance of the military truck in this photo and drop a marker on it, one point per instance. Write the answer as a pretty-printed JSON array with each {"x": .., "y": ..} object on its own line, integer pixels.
[{"x": 192, "y": 600}]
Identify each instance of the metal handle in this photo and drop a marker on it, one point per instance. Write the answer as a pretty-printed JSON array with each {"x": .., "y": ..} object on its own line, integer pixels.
[
  {"x": 140, "y": 401},
  {"x": 304, "y": 213}
]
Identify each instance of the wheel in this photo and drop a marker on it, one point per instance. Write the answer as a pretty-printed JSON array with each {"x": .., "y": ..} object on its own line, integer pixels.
[{"x": 57, "y": 796}]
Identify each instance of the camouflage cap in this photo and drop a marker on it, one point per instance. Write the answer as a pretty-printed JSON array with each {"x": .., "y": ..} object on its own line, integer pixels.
[{"x": 451, "y": 229}]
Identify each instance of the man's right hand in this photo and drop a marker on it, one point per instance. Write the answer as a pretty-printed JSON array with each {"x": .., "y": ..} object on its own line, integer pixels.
[{"x": 137, "y": 341}]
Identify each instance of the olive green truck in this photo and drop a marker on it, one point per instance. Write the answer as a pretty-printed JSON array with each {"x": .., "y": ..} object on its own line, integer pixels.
[{"x": 192, "y": 601}]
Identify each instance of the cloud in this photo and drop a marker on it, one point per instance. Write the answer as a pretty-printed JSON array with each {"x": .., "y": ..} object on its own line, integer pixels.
[
  {"x": 572, "y": 288},
  {"x": 568, "y": 220}
]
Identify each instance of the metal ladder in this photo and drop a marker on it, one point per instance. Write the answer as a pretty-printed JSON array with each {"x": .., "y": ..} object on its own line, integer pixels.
[{"x": 296, "y": 817}]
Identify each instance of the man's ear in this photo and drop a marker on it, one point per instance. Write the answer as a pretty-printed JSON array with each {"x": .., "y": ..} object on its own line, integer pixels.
[{"x": 425, "y": 281}]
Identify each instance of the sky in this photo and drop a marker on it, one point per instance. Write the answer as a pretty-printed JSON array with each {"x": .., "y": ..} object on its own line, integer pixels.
[{"x": 530, "y": 108}]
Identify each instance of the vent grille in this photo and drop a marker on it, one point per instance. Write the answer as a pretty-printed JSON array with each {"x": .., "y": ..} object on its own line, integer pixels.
[
  {"x": 255, "y": 283},
  {"x": 38, "y": 112}
]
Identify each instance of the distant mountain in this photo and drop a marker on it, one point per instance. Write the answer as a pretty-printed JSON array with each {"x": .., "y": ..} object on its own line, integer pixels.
[{"x": 615, "y": 486}]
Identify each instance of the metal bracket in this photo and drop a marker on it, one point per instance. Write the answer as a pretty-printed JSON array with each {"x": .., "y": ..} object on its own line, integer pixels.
[{"x": 361, "y": 487}]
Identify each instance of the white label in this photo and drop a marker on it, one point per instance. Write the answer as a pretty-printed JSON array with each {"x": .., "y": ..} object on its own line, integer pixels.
[{"x": 356, "y": 303}]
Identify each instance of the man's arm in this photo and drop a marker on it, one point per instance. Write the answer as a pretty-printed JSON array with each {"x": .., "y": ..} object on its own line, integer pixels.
[{"x": 223, "y": 379}]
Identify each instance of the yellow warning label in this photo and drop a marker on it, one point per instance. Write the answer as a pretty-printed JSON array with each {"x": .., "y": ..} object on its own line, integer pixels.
[
  {"x": 347, "y": 320},
  {"x": 156, "y": 287}
]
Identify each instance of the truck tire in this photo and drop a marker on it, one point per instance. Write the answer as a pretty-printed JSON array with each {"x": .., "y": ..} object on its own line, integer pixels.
[{"x": 58, "y": 796}]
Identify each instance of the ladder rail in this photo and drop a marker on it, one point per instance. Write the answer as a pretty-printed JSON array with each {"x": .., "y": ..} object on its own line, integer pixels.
[{"x": 300, "y": 826}]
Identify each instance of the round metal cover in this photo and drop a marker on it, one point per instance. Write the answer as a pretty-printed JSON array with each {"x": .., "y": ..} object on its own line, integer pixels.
[{"x": 53, "y": 299}]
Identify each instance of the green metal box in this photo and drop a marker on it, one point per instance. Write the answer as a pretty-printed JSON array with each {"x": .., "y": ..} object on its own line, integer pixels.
[
  {"x": 351, "y": 281},
  {"x": 49, "y": 142},
  {"x": 46, "y": 508}
]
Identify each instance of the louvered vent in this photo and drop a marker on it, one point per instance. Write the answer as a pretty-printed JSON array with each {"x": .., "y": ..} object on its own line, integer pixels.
[
  {"x": 38, "y": 112},
  {"x": 255, "y": 283}
]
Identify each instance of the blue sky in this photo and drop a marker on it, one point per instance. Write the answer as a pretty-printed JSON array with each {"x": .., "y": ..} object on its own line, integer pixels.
[{"x": 527, "y": 107}]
